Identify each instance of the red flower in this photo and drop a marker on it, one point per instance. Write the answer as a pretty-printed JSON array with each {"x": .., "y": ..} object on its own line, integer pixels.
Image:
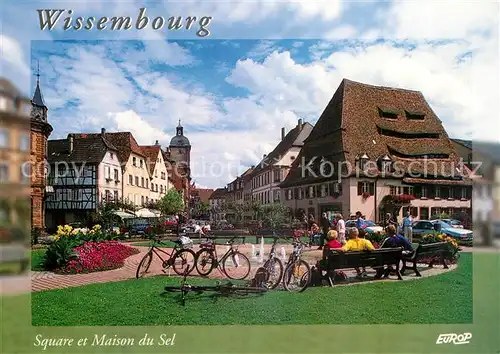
[{"x": 99, "y": 256}]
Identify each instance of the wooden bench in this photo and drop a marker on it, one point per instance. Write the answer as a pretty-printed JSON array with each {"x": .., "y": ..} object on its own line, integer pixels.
[
  {"x": 376, "y": 259},
  {"x": 431, "y": 250}
]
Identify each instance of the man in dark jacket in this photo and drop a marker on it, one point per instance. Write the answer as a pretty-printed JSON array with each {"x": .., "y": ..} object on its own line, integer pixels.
[{"x": 393, "y": 240}]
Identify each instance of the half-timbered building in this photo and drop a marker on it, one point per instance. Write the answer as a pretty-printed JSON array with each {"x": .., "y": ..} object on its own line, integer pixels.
[
  {"x": 80, "y": 171},
  {"x": 377, "y": 150}
]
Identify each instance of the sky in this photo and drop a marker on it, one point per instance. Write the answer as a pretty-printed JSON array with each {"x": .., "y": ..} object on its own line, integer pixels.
[{"x": 263, "y": 66}]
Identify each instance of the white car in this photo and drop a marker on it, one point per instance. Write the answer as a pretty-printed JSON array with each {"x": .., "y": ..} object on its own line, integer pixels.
[{"x": 371, "y": 227}]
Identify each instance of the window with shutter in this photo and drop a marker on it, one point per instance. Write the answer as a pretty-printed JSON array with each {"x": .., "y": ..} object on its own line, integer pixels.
[
  {"x": 371, "y": 188},
  {"x": 360, "y": 188}
]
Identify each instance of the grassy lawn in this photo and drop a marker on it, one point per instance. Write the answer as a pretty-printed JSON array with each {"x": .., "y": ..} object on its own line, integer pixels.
[{"x": 446, "y": 298}]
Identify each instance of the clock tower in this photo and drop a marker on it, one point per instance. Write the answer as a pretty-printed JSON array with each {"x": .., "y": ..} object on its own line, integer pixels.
[
  {"x": 180, "y": 152},
  {"x": 40, "y": 132}
]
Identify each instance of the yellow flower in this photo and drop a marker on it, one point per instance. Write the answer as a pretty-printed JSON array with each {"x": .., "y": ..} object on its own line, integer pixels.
[{"x": 96, "y": 227}]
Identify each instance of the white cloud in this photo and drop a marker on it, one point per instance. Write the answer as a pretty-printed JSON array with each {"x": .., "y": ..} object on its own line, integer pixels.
[
  {"x": 430, "y": 19},
  {"x": 340, "y": 33},
  {"x": 12, "y": 54},
  {"x": 458, "y": 91}
]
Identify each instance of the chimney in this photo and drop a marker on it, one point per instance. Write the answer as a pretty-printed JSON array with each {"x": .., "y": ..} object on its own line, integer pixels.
[
  {"x": 282, "y": 133},
  {"x": 157, "y": 143},
  {"x": 70, "y": 138},
  {"x": 103, "y": 131},
  {"x": 300, "y": 122}
]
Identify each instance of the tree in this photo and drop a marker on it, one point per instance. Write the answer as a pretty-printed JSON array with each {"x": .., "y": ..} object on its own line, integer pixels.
[
  {"x": 275, "y": 214},
  {"x": 256, "y": 207},
  {"x": 171, "y": 203}
]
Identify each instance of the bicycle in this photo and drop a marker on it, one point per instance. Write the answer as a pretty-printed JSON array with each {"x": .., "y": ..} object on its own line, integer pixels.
[
  {"x": 224, "y": 289},
  {"x": 293, "y": 269},
  {"x": 274, "y": 266},
  {"x": 179, "y": 254},
  {"x": 206, "y": 260}
]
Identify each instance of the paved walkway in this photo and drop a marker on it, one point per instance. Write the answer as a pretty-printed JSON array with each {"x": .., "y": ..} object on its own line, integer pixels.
[{"x": 38, "y": 281}]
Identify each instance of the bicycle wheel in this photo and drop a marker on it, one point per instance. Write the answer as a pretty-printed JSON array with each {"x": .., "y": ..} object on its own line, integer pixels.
[
  {"x": 183, "y": 261},
  {"x": 275, "y": 268},
  {"x": 205, "y": 262},
  {"x": 236, "y": 265},
  {"x": 297, "y": 276},
  {"x": 144, "y": 265}
]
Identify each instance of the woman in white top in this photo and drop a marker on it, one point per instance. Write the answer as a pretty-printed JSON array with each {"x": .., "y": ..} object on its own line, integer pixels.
[{"x": 340, "y": 228}]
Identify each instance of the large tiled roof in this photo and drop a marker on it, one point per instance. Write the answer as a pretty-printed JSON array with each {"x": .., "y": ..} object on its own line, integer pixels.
[
  {"x": 352, "y": 125},
  {"x": 89, "y": 149},
  {"x": 295, "y": 137}
]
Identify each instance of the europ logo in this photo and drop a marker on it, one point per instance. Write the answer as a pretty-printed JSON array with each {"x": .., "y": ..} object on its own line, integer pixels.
[{"x": 454, "y": 338}]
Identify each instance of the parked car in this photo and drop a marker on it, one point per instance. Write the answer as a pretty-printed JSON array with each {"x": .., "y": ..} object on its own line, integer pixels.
[
  {"x": 370, "y": 226},
  {"x": 139, "y": 226},
  {"x": 454, "y": 223},
  {"x": 461, "y": 235},
  {"x": 424, "y": 227},
  {"x": 170, "y": 223}
]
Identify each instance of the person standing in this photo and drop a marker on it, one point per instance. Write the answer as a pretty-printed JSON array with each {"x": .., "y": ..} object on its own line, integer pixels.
[
  {"x": 360, "y": 223},
  {"x": 407, "y": 226},
  {"x": 340, "y": 228},
  {"x": 325, "y": 227}
]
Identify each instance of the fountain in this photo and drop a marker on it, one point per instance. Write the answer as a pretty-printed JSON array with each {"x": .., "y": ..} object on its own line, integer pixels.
[
  {"x": 283, "y": 253},
  {"x": 261, "y": 253}
]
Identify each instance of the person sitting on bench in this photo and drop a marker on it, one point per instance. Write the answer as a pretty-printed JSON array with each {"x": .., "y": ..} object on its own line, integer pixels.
[
  {"x": 356, "y": 243},
  {"x": 333, "y": 244},
  {"x": 393, "y": 240}
]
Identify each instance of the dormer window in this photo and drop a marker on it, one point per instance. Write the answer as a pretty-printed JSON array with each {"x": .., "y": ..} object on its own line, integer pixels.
[
  {"x": 387, "y": 113},
  {"x": 414, "y": 115},
  {"x": 386, "y": 164},
  {"x": 363, "y": 161}
]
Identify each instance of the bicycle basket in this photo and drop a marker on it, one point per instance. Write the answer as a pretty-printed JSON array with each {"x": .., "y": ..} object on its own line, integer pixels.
[{"x": 186, "y": 242}]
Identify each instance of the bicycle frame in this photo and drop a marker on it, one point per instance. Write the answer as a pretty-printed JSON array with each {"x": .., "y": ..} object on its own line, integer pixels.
[
  {"x": 218, "y": 261},
  {"x": 155, "y": 249},
  {"x": 296, "y": 254}
]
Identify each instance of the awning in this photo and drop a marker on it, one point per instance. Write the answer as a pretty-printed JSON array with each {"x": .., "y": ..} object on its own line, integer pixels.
[
  {"x": 124, "y": 215},
  {"x": 147, "y": 213}
]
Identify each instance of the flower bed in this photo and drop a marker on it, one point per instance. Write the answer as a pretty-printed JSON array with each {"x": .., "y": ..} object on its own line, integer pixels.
[
  {"x": 79, "y": 251},
  {"x": 452, "y": 255},
  {"x": 98, "y": 256}
]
